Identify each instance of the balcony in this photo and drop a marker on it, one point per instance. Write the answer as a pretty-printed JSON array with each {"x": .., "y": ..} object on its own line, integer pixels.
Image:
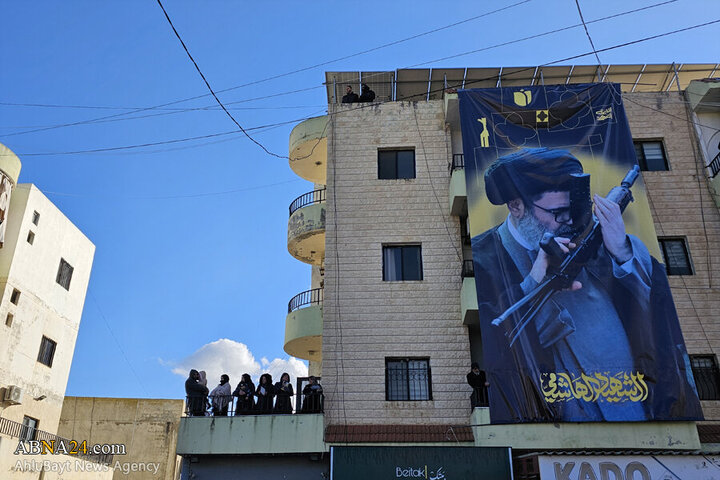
[
  {"x": 308, "y": 149},
  {"x": 306, "y": 227},
  {"x": 468, "y": 295},
  {"x": 9, "y": 164},
  {"x": 303, "y": 325},
  {"x": 458, "y": 191}
]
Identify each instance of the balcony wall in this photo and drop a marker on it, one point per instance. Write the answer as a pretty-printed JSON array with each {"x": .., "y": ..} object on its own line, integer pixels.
[
  {"x": 251, "y": 434},
  {"x": 600, "y": 435},
  {"x": 306, "y": 234},
  {"x": 308, "y": 149},
  {"x": 304, "y": 325},
  {"x": 468, "y": 302},
  {"x": 458, "y": 192}
]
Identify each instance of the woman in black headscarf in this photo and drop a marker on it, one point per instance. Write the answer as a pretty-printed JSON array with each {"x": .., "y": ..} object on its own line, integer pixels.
[
  {"x": 284, "y": 392},
  {"x": 244, "y": 391},
  {"x": 264, "y": 393}
]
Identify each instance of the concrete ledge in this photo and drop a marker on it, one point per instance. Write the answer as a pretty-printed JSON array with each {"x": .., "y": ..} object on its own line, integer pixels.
[
  {"x": 468, "y": 302},
  {"x": 458, "y": 192},
  {"x": 567, "y": 436},
  {"x": 251, "y": 434}
]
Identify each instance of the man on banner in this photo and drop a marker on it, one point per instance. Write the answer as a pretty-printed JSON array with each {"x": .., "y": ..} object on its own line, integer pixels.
[{"x": 577, "y": 355}]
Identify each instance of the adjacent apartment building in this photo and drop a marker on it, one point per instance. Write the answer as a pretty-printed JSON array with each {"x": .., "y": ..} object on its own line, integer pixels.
[
  {"x": 390, "y": 321},
  {"x": 45, "y": 264}
]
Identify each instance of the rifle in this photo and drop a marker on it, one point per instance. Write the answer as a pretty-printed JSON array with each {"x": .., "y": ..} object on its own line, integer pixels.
[{"x": 564, "y": 267}]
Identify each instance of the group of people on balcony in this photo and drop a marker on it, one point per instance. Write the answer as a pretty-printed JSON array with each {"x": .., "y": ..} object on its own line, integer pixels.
[{"x": 266, "y": 398}]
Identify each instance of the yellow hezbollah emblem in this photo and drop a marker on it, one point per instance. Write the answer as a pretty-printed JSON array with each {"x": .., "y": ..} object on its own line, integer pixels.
[
  {"x": 484, "y": 135},
  {"x": 522, "y": 98},
  {"x": 541, "y": 116},
  {"x": 604, "y": 114}
]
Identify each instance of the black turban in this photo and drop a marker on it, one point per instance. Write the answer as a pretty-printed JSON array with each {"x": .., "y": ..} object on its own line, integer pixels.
[{"x": 529, "y": 172}]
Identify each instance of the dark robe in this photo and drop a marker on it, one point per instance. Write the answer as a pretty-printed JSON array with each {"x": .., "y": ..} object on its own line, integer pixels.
[
  {"x": 244, "y": 391},
  {"x": 264, "y": 400},
  {"x": 283, "y": 395},
  {"x": 312, "y": 398},
  {"x": 196, "y": 397}
]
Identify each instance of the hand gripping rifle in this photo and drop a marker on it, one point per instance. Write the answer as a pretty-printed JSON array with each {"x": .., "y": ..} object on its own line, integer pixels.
[{"x": 564, "y": 267}]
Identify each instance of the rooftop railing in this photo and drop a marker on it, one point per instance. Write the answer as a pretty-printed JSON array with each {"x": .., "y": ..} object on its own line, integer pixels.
[
  {"x": 308, "y": 297},
  {"x": 310, "y": 198},
  {"x": 27, "y": 433}
]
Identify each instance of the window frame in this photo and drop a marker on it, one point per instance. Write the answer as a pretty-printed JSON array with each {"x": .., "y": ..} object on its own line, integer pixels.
[
  {"x": 402, "y": 264},
  {"x": 15, "y": 296},
  {"x": 642, "y": 158},
  {"x": 42, "y": 353},
  {"x": 60, "y": 277},
  {"x": 30, "y": 237},
  {"x": 26, "y": 428},
  {"x": 407, "y": 360},
  {"x": 672, "y": 269},
  {"x": 710, "y": 375},
  {"x": 35, "y": 218},
  {"x": 384, "y": 151}
]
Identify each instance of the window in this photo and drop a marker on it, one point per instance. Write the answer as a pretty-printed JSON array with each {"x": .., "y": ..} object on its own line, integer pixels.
[
  {"x": 29, "y": 429},
  {"x": 394, "y": 164},
  {"x": 15, "y": 297},
  {"x": 47, "y": 351},
  {"x": 707, "y": 377},
  {"x": 677, "y": 258},
  {"x": 9, "y": 319},
  {"x": 31, "y": 237},
  {"x": 64, "y": 274},
  {"x": 36, "y": 217},
  {"x": 651, "y": 156},
  {"x": 403, "y": 262},
  {"x": 407, "y": 379}
]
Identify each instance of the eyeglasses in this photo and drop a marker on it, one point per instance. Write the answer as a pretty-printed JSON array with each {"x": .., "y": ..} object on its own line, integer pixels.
[{"x": 561, "y": 215}]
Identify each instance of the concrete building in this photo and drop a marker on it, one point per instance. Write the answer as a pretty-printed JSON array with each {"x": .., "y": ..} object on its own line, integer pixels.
[
  {"x": 145, "y": 428},
  {"x": 45, "y": 264},
  {"x": 358, "y": 330}
]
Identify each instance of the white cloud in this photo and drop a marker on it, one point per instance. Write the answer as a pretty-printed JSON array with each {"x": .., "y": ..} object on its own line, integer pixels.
[{"x": 235, "y": 358}]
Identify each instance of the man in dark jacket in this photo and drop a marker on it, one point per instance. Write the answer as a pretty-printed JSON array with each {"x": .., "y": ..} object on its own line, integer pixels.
[
  {"x": 366, "y": 95},
  {"x": 477, "y": 380},
  {"x": 196, "y": 394},
  {"x": 350, "y": 96}
]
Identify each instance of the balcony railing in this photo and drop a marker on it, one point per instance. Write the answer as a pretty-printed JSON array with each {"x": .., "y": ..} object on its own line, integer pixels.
[
  {"x": 479, "y": 397},
  {"x": 458, "y": 162},
  {"x": 714, "y": 166},
  {"x": 27, "y": 433},
  {"x": 310, "y": 198},
  {"x": 230, "y": 406},
  {"x": 707, "y": 380},
  {"x": 308, "y": 297},
  {"x": 468, "y": 269}
]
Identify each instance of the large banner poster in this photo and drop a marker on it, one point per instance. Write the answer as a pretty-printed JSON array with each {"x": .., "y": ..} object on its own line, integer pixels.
[{"x": 577, "y": 320}]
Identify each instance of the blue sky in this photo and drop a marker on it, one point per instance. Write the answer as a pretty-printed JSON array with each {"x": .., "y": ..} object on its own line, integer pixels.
[{"x": 191, "y": 267}]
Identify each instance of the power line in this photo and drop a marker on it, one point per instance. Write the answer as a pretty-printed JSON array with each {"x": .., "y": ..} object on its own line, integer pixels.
[
  {"x": 113, "y": 118},
  {"x": 93, "y": 120},
  {"x": 207, "y": 84},
  {"x": 587, "y": 32}
]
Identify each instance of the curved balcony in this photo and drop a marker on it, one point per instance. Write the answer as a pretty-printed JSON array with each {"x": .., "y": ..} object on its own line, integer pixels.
[
  {"x": 308, "y": 149},
  {"x": 303, "y": 325},
  {"x": 9, "y": 164},
  {"x": 306, "y": 227}
]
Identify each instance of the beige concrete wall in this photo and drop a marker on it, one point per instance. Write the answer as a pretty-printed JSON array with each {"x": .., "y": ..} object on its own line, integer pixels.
[
  {"x": 366, "y": 319},
  {"x": 44, "y": 308},
  {"x": 147, "y": 427},
  {"x": 682, "y": 206}
]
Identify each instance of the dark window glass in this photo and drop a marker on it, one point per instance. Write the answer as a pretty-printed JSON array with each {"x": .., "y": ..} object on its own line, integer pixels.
[
  {"x": 36, "y": 218},
  {"x": 47, "y": 351},
  {"x": 31, "y": 237},
  {"x": 64, "y": 275},
  {"x": 707, "y": 376},
  {"x": 651, "y": 156},
  {"x": 403, "y": 262},
  {"x": 29, "y": 429},
  {"x": 394, "y": 164},
  {"x": 677, "y": 258},
  {"x": 15, "y": 297},
  {"x": 407, "y": 379}
]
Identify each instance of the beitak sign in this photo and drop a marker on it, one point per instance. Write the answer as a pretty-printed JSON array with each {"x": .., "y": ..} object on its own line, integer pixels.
[{"x": 415, "y": 463}]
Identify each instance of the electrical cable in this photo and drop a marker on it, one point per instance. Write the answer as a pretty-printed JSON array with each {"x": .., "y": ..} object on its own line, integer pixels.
[
  {"x": 274, "y": 76},
  {"x": 207, "y": 84},
  {"x": 587, "y": 32}
]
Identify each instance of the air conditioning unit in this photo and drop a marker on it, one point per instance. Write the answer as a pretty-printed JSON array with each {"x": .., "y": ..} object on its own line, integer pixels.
[{"x": 13, "y": 394}]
